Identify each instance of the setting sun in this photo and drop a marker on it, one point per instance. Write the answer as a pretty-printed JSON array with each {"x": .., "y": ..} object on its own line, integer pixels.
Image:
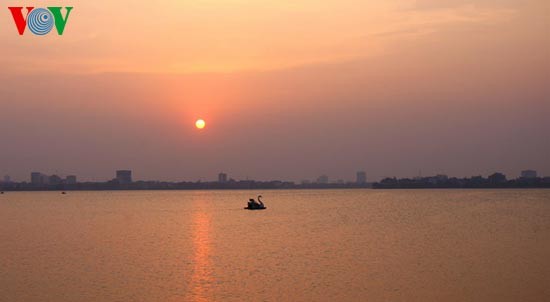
[{"x": 200, "y": 124}]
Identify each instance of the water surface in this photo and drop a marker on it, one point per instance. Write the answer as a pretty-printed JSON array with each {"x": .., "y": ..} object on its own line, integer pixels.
[{"x": 326, "y": 245}]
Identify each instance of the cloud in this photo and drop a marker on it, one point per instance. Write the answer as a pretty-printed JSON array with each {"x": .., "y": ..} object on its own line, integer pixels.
[{"x": 449, "y": 4}]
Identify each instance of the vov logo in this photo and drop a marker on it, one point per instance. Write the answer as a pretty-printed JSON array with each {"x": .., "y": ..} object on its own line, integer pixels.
[{"x": 40, "y": 21}]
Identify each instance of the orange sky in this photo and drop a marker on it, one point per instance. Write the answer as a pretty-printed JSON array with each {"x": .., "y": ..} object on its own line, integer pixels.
[
  {"x": 344, "y": 84},
  {"x": 228, "y": 35}
]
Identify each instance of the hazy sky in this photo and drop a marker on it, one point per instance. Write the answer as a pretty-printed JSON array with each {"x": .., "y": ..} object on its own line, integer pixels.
[{"x": 289, "y": 89}]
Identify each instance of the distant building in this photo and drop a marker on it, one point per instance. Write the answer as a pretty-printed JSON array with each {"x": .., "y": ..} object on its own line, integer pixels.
[
  {"x": 37, "y": 178},
  {"x": 361, "y": 178},
  {"x": 54, "y": 180},
  {"x": 441, "y": 177},
  {"x": 45, "y": 179},
  {"x": 529, "y": 174},
  {"x": 438, "y": 179},
  {"x": 222, "y": 177},
  {"x": 70, "y": 180},
  {"x": 323, "y": 179},
  {"x": 497, "y": 178},
  {"x": 477, "y": 180},
  {"x": 124, "y": 176},
  {"x": 7, "y": 179}
]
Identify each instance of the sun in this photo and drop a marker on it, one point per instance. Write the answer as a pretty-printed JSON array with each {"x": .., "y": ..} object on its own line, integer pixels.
[{"x": 200, "y": 124}]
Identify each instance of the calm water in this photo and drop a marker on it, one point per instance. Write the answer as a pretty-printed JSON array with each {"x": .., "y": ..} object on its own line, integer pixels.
[{"x": 348, "y": 245}]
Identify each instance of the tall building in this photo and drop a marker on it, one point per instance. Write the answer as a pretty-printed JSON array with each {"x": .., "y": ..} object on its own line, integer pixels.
[
  {"x": 124, "y": 176},
  {"x": 70, "y": 180},
  {"x": 222, "y": 177},
  {"x": 37, "y": 178},
  {"x": 529, "y": 174},
  {"x": 361, "y": 178},
  {"x": 54, "y": 180}
]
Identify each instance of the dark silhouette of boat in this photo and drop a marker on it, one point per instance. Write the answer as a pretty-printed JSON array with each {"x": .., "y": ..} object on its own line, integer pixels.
[
  {"x": 253, "y": 205},
  {"x": 255, "y": 209}
]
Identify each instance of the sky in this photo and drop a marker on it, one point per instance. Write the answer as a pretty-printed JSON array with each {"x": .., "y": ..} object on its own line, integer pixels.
[{"x": 289, "y": 89}]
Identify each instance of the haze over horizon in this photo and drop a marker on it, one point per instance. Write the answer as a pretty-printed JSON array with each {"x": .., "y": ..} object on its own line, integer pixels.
[{"x": 289, "y": 90}]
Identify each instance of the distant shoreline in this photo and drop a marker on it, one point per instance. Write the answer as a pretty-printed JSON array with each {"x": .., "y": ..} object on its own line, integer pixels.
[
  {"x": 494, "y": 181},
  {"x": 182, "y": 186},
  {"x": 274, "y": 189}
]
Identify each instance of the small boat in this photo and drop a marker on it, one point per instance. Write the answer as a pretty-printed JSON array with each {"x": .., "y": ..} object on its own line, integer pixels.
[
  {"x": 63, "y": 192},
  {"x": 253, "y": 205},
  {"x": 254, "y": 209}
]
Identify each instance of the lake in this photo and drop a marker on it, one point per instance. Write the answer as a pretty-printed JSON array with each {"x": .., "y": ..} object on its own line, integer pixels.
[{"x": 309, "y": 245}]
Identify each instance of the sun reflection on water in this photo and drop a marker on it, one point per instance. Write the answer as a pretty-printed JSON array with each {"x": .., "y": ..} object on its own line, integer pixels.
[{"x": 201, "y": 280}]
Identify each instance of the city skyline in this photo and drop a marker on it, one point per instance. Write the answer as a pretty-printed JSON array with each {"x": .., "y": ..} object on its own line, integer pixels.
[
  {"x": 361, "y": 177},
  {"x": 123, "y": 180}
]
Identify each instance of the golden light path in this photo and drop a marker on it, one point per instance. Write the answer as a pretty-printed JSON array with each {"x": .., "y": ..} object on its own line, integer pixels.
[{"x": 202, "y": 280}]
